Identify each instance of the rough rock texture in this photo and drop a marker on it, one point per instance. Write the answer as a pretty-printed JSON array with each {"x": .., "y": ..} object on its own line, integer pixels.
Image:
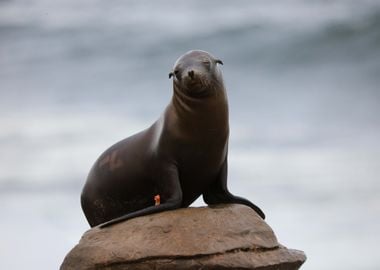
[{"x": 220, "y": 237}]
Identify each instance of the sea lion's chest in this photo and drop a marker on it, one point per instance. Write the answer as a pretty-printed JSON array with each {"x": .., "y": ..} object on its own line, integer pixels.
[{"x": 198, "y": 169}]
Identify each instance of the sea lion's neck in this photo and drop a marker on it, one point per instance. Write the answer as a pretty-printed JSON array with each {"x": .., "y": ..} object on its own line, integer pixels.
[
  {"x": 206, "y": 113},
  {"x": 209, "y": 103}
]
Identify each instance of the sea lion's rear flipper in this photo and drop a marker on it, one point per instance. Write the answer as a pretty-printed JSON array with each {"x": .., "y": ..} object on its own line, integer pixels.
[
  {"x": 169, "y": 199},
  {"x": 218, "y": 193},
  {"x": 146, "y": 211}
]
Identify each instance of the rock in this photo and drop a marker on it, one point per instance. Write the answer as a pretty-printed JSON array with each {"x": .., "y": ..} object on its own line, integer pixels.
[{"x": 218, "y": 237}]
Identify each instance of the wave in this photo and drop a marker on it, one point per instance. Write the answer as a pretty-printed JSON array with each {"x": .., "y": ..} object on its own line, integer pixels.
[
  {"x": 334, "y": 42},
  {"x": 253, "y": 34}
]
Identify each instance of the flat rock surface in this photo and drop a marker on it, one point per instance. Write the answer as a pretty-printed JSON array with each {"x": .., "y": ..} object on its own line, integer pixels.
[{"x": 218, "y": 237}]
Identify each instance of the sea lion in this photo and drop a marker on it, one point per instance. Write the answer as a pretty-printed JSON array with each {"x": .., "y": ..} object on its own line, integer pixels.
[{"x": 169, "y": 165}]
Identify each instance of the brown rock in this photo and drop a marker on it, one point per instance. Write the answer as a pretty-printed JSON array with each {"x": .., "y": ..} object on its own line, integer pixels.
[{"x": 219, "y": 237}]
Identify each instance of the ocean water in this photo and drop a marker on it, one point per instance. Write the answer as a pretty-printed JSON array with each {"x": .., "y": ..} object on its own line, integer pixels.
[{"x": 303, "y": 79}]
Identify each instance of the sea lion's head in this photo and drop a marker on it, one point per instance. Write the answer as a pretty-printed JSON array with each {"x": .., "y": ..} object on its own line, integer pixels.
[{"x": 196, "y": 74}]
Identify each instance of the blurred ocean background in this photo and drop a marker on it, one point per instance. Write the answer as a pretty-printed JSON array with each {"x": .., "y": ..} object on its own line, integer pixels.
[{"x": 303, "y": 79}]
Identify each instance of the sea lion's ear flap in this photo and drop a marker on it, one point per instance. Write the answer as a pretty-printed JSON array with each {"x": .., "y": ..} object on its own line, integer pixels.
[
  {"x": 218, "y": 61},
  {"x": 171, "y": 74}
]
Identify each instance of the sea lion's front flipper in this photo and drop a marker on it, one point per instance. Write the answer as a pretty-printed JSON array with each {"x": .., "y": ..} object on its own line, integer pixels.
[
  {"x": 218, "y": 193},
  {"x": 170, "y": 197}
]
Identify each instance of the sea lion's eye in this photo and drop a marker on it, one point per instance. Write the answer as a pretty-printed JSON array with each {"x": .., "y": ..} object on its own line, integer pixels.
[
  {"x": 218, "y": 61},
  {"x": 207, "y": 64}
]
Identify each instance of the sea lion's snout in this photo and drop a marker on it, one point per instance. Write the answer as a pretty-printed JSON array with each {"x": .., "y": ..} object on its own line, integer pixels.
[
  {"x": 192, "y": 74},
  {"x": 195, "y": 78}
]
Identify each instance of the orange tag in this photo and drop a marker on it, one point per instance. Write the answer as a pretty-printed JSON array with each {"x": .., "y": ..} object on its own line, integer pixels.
[{"x": 157, "y": 199}]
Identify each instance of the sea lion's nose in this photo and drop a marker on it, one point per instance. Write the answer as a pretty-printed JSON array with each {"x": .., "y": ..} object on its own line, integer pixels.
[{"x": 191, "y": 74}]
